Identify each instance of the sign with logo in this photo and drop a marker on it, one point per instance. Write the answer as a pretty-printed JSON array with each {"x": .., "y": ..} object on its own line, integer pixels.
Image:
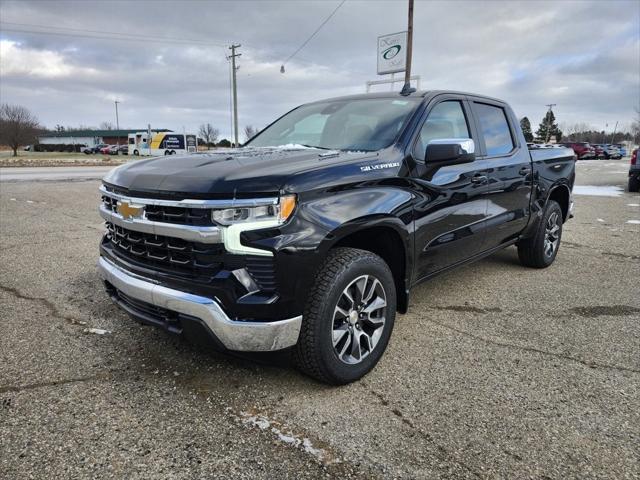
[{"x": 392, "y": 53}]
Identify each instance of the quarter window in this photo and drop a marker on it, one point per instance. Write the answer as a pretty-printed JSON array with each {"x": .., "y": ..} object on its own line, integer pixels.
[
  {"x": 495, "y": 129},
  {"x": 445, "y": 121}
]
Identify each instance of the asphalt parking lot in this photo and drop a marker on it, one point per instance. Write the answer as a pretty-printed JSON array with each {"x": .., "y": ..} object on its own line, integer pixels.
[{"x": 497, "y": 371}]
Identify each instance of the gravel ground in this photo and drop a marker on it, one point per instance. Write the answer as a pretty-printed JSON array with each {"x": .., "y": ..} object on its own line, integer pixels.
[{"x": 497, "y": 371}]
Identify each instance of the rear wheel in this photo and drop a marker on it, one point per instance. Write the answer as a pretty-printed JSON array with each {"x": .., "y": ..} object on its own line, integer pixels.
[
  {"x": 540, "y": 250},
  {"x": 634, "y": 183},
  {"x": 136, "y": 152},
  {"x": 348, "y": 318}
]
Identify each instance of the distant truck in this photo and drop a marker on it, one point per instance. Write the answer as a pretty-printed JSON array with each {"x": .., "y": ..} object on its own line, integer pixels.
[{"x": 161, "y": 143}]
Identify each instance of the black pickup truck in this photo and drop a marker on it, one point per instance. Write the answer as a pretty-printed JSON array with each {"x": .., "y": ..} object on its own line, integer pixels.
[{"x": 311, "y": 236}]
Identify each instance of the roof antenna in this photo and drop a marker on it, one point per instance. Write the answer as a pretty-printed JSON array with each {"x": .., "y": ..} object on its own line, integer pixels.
[{"x": 407, "y": 89}]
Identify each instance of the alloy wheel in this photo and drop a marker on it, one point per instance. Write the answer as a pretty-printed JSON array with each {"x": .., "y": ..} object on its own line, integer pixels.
[
  {"x": 359, "y": 319},
  {"x": 552, "y": 235}
]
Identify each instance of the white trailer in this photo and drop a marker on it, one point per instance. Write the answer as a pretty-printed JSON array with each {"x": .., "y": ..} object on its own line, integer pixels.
[{"x": 152, "y": 143}]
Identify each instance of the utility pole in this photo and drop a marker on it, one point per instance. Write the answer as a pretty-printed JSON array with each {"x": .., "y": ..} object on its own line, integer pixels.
[
  {"x": 550, "y": 105},
  {"x": 235, "y": 91},
  {"x": 614, "y": 133},
  {"x": 117, "y": 121},
  {"x": 406, "y": 89}
]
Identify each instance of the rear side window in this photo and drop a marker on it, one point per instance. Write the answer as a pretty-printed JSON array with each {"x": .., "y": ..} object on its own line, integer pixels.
[{"x": 495, "y": 129}]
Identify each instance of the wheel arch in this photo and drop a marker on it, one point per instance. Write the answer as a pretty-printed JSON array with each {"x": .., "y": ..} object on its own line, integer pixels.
[
  {"x": 562, "y": 195},
  {"x": 385, "y": 238}
]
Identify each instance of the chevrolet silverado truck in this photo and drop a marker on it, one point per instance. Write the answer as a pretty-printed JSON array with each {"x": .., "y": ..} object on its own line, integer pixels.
[{"x": 311, "y": 236}]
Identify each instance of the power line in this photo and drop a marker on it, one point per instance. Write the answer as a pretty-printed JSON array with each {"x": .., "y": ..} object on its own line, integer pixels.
[
  {"x": 312, "y": 35},
  {"x": 84, "y": 33}
]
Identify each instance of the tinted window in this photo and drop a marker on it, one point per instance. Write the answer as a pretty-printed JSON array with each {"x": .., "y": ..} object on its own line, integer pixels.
[
  {"x": 495, "y": 129},
  {"x": 446, "y": 120},
  {"x": 359, "y": 124}
]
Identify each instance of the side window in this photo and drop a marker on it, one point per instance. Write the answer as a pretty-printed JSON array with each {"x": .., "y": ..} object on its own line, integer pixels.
[
  {"x": 446, "y": 120},
  {"x": 495, "y": 129}
]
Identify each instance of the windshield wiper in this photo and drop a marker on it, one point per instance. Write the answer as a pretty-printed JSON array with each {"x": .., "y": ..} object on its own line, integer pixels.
[{"x": 315, "y": 146}]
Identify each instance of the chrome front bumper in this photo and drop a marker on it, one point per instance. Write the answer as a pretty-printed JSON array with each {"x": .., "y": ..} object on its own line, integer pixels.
[{"x": 234, "y": 335}]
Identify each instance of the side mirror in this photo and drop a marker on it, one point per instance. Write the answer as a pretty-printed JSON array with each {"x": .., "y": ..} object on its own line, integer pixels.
[{"x": 450, "y": 151}]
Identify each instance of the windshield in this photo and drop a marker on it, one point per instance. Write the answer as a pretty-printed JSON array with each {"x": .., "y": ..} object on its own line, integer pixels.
[{"x": 364, "y": 124}]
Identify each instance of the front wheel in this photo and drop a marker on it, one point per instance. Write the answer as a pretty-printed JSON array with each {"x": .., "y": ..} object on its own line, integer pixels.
[
  {"x": 540, "y": 250},
  {"x": 348, "y": 318}
]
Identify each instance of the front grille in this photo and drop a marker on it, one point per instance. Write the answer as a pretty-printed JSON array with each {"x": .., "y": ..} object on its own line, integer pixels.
[
  {"x": 157, "y": 213},
  {"x": 197, "y": 261},
  {"x": 166, "y": 253}
]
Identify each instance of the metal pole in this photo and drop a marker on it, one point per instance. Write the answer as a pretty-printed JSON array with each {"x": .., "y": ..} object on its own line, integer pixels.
[
  {"x": 407, "y": 73},
  {"x": 117, "y": 122},
  {"x": 235, "y": 92},
  {"x": 614, "y": 133}
]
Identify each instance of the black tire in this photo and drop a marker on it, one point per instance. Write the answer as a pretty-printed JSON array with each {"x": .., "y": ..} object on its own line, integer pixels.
[
  {"x": 634, "y": 183},
  {"x": 534, "y": 251},
  {"x": 136, "y": 152},
  {"x": 315, "y": 353},
  {"x": 167, "y": 152}
]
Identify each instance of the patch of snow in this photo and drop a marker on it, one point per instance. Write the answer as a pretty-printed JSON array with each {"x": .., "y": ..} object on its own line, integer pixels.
[
  {"x": 13, "y": 199},
  {"x": 284, "y": 436},
  {"x": 30, "y": 201},
  {"x": 290, "y": 146},
  {"x": 600, "y": 220},
  {"x": 97, "y": 331},
  {"x": 598, "y": 191},
  {"x": 628, "y": 204},
  {"x": 634, "y": 222}
]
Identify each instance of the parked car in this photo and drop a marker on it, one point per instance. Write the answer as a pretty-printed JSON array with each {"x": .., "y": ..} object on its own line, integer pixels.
[
  {"x": 583, "y": 150},
  {"x": 621, "y": 148},
  {"x": 95, "y": 149},
  {"x": 123, "y": 150},
  {"x": 600, "y": 151},
  {"x": 311, "y": 238},
  {"x": 634, "y": 172},
  {"x": 612, "y": 151},
  {"x": 114, "y": 149},
  {"x": 106, "y": 150}
]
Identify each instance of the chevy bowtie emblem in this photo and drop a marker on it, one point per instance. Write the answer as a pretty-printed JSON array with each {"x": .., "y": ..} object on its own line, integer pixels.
[{"x": 129, "y": 211}]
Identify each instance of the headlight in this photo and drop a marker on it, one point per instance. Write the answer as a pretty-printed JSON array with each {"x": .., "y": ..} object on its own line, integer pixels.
[{"x": 278, "y": 213}]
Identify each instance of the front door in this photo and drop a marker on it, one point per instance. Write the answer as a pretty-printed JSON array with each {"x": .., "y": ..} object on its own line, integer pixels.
[{"x": 451, "y": 207}]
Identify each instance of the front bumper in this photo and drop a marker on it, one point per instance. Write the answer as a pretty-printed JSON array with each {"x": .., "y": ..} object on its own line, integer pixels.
[{"x": 232, "y": 334}]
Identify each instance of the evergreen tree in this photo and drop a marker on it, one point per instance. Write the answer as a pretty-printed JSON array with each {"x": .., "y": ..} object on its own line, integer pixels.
[
  {"x": 549, "y": 128},
  {"x": 525, "y": 124}
]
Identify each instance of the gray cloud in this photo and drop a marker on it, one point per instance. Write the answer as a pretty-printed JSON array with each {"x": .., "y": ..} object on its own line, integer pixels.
[{"x": 584, "y": 56}]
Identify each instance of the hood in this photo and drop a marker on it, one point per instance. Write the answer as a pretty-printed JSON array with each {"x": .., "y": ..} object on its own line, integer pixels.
[{"x": 248, "y": 171}]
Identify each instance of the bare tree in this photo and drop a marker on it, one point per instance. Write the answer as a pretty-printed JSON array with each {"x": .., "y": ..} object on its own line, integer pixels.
[
  {"x": 18, "y": 126},
  {"x": 208, "y": 133},
  {"x": 250, "y": 131},
  {"x": 106, "y": 126}
]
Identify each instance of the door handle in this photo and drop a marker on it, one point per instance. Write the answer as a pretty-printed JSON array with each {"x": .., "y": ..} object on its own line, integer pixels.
[
  {"x": 524, "y": 171},
  {"x": 479, "y": 179}
]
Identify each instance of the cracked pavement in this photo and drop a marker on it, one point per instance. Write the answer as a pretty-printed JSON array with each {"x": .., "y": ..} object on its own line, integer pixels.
[{"x": 496, "y": 371}]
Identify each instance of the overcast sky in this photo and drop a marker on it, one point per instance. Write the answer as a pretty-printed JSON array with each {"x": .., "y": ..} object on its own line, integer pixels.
[{"x": 582, "y": 56}]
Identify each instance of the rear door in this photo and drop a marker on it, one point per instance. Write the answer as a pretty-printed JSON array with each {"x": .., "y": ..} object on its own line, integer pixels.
[
  {"x": 508, "y": 169},
  {"x": 451, "y": 205}
]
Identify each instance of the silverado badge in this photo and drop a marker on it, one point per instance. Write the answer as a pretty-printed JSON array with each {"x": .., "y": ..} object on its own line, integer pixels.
[{"x": 129, "y": 211}]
